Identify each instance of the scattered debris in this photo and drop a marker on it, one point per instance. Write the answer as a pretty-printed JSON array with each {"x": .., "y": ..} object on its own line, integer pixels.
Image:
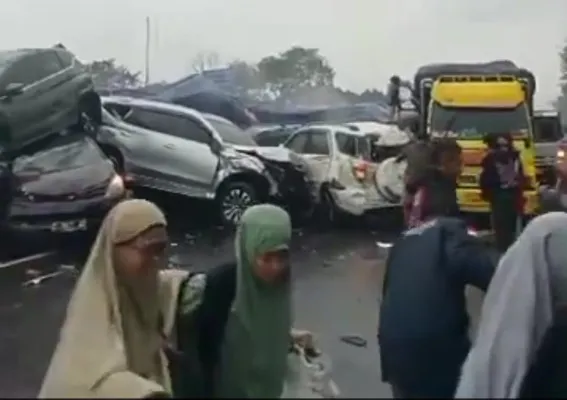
[
  {"x": 37, "y": 281},
  {"x": 354, "y": 340},
  {"x": 68, "y": 268}
]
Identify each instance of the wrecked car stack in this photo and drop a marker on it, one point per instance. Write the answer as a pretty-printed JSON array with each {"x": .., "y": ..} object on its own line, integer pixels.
[{"x": 69, "y": 154}]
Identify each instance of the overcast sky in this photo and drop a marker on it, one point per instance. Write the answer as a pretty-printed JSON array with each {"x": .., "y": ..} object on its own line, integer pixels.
[{"x": 366, "y": 41}]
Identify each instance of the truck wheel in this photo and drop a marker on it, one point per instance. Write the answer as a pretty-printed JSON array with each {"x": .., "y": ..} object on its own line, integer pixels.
[{"x": 233, "y": 199}]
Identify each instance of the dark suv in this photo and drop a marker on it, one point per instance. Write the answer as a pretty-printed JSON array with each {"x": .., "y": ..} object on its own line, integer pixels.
[{"x": 43, "y": 91}]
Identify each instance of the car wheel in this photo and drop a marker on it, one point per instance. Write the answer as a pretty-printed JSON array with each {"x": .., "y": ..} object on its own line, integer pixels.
[{"x": 233, "y": 199}]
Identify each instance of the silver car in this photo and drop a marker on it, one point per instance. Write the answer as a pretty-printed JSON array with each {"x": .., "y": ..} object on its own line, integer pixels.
[{"x": 176, "y": 149}]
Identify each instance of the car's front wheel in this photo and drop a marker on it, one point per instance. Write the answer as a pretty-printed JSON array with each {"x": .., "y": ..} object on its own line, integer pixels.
[{"x": 233, "y": 199}]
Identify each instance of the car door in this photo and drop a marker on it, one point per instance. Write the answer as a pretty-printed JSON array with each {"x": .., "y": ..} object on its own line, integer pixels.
[
  {"x": 314, "y": 146},
  {"x": 147, "y": 147},
  {"x": 193, "y": 161},
  {"x": 185, "y": 157}
]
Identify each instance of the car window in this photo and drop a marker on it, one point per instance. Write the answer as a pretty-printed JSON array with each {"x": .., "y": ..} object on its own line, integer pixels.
[
  {"x": 364, "y": 148},
  {"x": 22, "y": 71},
  {"x": 317, "y": 143},
  {"x": 46, "y": 63},
  {"x": 297, "y": 143},
  {"x": 170, "y": 124},
  {"x": 64, "y": 153},
  {"x": 230, "y": 133},
  {"x": 7, "y": 58},
  {"x": 192, "y": 130},
  {"x": 346, "y": 144}
]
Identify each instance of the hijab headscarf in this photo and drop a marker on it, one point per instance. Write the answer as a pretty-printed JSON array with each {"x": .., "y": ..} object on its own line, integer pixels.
[
  {"x": 111, "y": 343},
  {"x": 257, "y": 339},
  {"x": 518, "y": 310}
]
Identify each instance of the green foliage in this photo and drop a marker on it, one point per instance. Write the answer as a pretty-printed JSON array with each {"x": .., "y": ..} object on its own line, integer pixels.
[
  {"x": 293, "y": 69},
  {"x": 106, "y": 74}
]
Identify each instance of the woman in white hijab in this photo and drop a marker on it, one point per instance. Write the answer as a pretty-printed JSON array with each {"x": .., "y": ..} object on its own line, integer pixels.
[
  {"x": 120, "y": 314},
  {"x": 521, "y": 347}
]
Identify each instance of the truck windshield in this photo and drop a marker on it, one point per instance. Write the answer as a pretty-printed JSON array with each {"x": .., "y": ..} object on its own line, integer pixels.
[
  {"x": 547, "y": 129},
  {"x": 475, "y": 123}
]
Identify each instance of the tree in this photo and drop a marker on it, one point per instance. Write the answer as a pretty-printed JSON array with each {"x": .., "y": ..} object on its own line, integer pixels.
[
  {"x": 561, "y": 103},
  {"x": 108, "y": 74},
  {"x": 249, "y": 83},
  {"x": 295, "y": 68},
  {"x": 205, "y": 60}
]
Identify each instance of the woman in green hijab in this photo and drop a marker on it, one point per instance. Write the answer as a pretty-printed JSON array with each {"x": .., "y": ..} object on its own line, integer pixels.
[{"x": 253, "y": 360}]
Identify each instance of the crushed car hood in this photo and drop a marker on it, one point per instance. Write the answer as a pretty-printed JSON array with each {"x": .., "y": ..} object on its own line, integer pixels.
[
  {"x": 280, "y": 154},
  {"x": 69, "y": 182}
]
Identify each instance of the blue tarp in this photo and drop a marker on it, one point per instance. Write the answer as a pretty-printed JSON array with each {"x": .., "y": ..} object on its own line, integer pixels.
[{"x": 355, "y": 112}]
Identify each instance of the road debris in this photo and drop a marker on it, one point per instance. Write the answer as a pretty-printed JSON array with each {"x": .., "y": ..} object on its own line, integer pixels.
[{"x": 354, "y": 340}]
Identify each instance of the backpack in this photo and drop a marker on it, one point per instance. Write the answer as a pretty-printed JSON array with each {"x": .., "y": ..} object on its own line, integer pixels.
[{"x": 200, "y": 336}]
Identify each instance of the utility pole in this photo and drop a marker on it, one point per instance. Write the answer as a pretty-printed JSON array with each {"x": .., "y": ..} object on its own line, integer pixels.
[{"x": 147, "y": 71}]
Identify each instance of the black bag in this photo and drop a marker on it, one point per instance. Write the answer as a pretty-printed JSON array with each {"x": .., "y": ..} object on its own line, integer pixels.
[{"x": 200, "y": 335}]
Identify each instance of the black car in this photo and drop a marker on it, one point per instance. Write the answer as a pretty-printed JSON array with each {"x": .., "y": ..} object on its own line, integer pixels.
[
  {"x": 43, "y": 91},
  {"x": 64, "y": 189}
]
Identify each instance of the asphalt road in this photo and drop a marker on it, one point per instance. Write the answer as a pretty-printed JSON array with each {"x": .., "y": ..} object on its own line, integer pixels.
[{"x": 337, "y": 279}]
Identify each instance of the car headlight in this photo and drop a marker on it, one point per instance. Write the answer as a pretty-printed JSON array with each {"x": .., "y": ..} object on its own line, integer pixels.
[
  {"x": 560, "y": 154},
  {"x": 115, "y": 188}
]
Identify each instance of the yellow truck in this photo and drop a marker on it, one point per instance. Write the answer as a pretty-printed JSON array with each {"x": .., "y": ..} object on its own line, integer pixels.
[{"x": 470, "y": 102}]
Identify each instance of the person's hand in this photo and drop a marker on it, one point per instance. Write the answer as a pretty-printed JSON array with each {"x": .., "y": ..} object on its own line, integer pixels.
[{"x": 305, "y": 340}]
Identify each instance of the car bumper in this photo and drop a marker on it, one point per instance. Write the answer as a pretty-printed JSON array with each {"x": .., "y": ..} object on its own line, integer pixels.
[
  {"x": 53, "y": 229},
  {"x": 358, "y": 201},
  {"x": 470, "y": 201}
]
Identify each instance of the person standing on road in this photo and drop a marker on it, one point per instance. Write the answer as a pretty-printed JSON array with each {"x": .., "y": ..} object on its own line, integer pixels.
[
  {"x": 502, "y": 182},
  {"x": 423, "y": 322},
  {"x": 520, "y": 349},
  {"x": 555, "y": 198},
  {"x": 431, "y": 183},
  {"x": 121, "y": 312}
]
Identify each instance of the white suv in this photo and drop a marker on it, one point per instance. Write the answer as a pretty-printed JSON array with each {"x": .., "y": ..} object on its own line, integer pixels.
[{"x": 352, "y": 167}]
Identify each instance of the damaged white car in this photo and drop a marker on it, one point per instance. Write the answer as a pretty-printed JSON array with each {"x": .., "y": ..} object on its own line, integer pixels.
[{"x": 353, "y": 168}]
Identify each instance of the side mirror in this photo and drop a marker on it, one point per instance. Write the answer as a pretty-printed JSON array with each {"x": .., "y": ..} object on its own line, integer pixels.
[{"x": 12, "y": 89}]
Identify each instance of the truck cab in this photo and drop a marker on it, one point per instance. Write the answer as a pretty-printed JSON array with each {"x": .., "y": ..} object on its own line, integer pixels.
[
  {"x": 547, "y": 137},
  {"x": 470, "y": 102}
]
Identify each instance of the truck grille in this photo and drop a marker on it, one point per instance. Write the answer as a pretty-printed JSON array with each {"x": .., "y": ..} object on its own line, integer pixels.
[{"x": 468, "y": 180}]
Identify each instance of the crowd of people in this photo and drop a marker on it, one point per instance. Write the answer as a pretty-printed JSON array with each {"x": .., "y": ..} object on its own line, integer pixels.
[
  {"x": 136, "y": 329},
  {"x": 424, "y": 334}
]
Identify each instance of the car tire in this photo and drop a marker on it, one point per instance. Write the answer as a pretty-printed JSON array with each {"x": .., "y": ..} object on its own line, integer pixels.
[
  {"x": 233, "y": 199},
  {"x": 89, "y": 116}
]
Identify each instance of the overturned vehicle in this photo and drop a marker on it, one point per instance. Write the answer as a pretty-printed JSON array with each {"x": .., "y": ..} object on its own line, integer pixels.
[{"x": 179, "y": 150}]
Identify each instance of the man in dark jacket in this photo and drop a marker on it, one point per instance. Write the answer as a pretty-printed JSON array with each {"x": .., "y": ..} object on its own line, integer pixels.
[
  {"x": 502, "y": 182},
  {"x": 431, "y": 180},
  {"x": 423, "y": 327}
]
